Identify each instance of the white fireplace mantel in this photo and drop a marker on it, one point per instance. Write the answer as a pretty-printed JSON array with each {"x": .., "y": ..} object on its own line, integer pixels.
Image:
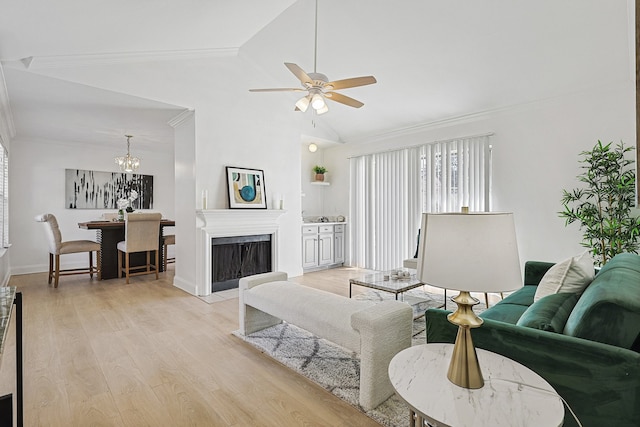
[{"x": 213, "y": 223}]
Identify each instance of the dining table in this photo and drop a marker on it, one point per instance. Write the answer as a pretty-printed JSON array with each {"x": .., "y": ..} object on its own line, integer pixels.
[{"x": 109, "y": 233}]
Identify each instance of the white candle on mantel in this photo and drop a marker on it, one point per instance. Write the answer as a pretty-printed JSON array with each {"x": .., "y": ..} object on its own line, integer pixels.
[
  {"x": 205, "y": 196},
  {"x": 277, "y": 201}
]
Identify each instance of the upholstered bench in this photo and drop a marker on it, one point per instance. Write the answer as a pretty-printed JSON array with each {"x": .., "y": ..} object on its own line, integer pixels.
[{"x": 375, "y": 331}]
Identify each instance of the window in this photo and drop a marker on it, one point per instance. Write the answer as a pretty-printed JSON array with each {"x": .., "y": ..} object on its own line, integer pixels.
[
  {"x": 390, "y": 190},
  {"x": 456, "y": 173}
]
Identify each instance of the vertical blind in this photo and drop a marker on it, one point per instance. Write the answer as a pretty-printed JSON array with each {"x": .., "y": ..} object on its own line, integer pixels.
[{"x": 390, "y": 190}]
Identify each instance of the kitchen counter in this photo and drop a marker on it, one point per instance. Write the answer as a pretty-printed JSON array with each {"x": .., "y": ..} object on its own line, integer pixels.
[{"x": 322, "y": 223}]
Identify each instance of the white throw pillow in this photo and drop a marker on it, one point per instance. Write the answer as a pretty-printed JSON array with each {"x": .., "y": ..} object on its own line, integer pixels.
[{"x": 569, "y": 276}]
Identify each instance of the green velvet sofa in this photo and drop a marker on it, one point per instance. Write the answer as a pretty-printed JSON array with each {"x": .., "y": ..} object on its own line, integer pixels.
[{"x": 586, "y": 346}]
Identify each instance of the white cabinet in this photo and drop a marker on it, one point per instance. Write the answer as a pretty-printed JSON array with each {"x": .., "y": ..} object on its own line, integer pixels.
[
  {"x": 309, "y": 247},
  {"x": 325, "y": 247},
  {"x": 338, "y": 243},
  {"x": 322, "y": 246}
]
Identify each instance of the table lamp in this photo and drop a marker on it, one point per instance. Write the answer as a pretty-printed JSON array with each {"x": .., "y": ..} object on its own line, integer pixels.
[{"x": 468, "y": 252}]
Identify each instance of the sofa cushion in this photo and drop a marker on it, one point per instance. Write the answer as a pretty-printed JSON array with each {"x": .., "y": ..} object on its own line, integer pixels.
[
  {"x": 534, "y": 271},
  {"x": 609, "y": 309},
  {"x": 549, "y": 313},
  {"x": 511, "y": 308},
  {"x": 572, "y": 275},
  {"x": 523, "y": 296}
]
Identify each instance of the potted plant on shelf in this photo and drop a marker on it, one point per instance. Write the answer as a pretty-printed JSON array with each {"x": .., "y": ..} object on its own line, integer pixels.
[
  {"x": 603, "y": 205},
  {"x": 320, "y": 171}
]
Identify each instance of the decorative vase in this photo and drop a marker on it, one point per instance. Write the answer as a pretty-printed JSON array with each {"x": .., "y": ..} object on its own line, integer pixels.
[
  {"x": 120, "y": 215},
  {"x": 319, "y": 177}
]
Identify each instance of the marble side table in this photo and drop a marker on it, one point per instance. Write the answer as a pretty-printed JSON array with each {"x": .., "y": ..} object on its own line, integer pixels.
[{"x": 513, "y": 395}]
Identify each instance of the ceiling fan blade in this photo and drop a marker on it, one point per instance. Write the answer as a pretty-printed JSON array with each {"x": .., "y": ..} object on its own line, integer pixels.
[
  {"x": 283, "y": 89},
  {"x": 353, "y": 82},
  {"x": 343, "y": 99},
  {"x": 299, "y": 73}
]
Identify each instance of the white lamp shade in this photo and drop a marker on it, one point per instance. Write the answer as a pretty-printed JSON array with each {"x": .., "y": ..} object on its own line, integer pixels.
[
  {"x": 303, "y": 104},
  {"x": 474, "y": 252},
  {"x": 317, "y": 101},
  {"x": 322, "y": 110}
]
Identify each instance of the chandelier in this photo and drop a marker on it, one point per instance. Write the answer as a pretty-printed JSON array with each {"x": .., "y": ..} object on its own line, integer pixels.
[{"x": 127, "y": 163}]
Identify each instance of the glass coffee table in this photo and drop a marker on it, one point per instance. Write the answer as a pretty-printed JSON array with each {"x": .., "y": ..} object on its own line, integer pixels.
[{"x": 382, "y": 281}]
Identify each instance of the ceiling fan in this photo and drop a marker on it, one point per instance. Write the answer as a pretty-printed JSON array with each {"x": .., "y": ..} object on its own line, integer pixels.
[{"x": 318, "y": 86}]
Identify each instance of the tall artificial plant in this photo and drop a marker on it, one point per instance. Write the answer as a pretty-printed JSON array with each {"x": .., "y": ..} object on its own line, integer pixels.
[{"x": 603, "y": 205}]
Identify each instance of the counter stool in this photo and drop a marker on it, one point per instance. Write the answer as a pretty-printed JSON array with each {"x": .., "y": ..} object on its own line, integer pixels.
[
  {"x": 141, "y": 232},
  {"x": 167, "y": 240},
  {"x": 57, "y": 247}
]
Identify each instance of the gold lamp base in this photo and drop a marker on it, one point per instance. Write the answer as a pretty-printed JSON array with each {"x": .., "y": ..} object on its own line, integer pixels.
[{"x": 464, "y": 369}]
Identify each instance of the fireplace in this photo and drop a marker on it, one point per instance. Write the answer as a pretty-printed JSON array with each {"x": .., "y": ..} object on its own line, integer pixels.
[
  {"x": 239, "y": 256},
  {"x": 235, "y": 224}
]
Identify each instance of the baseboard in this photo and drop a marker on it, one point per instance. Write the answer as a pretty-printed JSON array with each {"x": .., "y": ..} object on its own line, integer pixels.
[
  {"x": 322, "y": 267},
  {"x": 30, "y": 269},
  {"x": 186, "y": 286},
  {"x": 44, "y": 268}
]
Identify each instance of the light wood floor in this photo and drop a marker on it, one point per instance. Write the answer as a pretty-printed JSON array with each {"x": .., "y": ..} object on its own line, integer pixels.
[{"x": 148, "y": 354}]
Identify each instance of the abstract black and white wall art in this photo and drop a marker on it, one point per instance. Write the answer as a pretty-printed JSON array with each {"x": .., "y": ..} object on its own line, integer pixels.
[{"x": 101, "y": 190}]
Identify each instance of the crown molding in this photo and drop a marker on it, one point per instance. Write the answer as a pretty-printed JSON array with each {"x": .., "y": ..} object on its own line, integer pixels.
[
  {"x": 179, "y": 120},
  {"x": 478, "y": 115},
  {"x": 7, "y": 128},
  {"x": 421, "y": 127},
  {"x": 64, "y": 61}
]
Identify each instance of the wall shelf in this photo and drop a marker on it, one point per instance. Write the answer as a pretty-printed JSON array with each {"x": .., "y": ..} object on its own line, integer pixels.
[{"x": 320, "y": 183}]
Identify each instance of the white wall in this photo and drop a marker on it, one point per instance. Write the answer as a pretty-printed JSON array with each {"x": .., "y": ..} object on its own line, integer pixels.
[
  {"x": 536, "y": 150},
  {"x": 232, "y": 127},
  {"x": 185, "y": 176},
  {"x": 312, "y": 195},
  {"x": 535, "y": 156},
  {"x": 36, "y": 185}
]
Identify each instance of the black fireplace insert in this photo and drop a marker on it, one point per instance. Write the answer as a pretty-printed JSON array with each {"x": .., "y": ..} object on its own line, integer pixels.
[{"x": 233, "y": 258}]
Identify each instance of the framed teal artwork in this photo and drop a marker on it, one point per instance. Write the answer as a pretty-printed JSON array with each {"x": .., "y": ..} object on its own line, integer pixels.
[{"x": 245, "y": 188}]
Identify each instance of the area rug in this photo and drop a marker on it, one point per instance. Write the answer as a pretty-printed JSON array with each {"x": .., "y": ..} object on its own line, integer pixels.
[
  {"x": 337, "y": 369},
  {"x": 332, "y": 367},
  {"x": 420, "y": 301}
]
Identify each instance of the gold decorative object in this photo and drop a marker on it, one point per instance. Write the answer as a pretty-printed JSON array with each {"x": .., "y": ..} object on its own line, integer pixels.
[{"x": 468, "y": 252}]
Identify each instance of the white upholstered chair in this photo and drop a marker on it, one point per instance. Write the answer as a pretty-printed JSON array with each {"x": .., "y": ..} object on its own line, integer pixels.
[
  {"x": 169, "y": 239},
  {"x": 57, "y": 247},
  {"x": 141, "y": 232}
]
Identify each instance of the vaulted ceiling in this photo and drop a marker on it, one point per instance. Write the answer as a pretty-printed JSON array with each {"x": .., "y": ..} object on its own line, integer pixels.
[{"x": 433, "y": 59}]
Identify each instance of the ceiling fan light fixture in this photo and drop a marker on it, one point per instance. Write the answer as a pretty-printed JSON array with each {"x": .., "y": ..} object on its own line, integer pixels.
[
  {"x": 303, "y": 103},
  {"x": 322, "y": 110},
  {"x": 317, "y": 102},
  {"x": 318, "y": 85}
]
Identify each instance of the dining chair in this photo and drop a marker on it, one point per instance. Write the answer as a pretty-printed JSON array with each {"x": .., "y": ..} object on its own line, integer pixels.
[
  {"x": 169, "y": 239},
  {"x": 58, "y": 247},
  {"x": 141, "y": 231}
]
